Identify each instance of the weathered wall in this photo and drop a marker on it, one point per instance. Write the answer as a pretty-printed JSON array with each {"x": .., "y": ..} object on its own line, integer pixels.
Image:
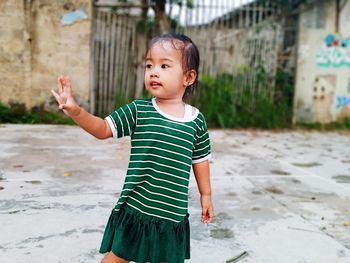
[
  {"x": 39, "y": 40},
  {"x": 322, "y": 92},
  {"x": 12, "y": 48}
]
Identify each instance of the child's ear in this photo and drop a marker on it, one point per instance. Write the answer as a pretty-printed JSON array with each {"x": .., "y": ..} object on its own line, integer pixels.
[{"x": 190, "y": 77}]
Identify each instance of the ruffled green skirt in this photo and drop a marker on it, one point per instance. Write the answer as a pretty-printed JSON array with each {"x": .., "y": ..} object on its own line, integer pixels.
[{"x": 138, "y": 237}]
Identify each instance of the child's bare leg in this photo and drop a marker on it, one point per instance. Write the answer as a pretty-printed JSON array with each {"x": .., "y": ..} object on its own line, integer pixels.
[{"x": 110, "y": 257}]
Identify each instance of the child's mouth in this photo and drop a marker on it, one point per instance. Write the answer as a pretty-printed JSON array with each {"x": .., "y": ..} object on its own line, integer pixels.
[{"x": 155, "y": 84}]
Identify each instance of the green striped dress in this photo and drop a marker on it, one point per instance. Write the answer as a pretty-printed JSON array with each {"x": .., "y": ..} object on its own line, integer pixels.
[{"x": 163, "y": 149}]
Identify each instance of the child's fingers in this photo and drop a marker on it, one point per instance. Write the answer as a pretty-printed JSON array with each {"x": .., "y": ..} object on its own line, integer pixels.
[
  {"x": 59, "y": 84},
  {"x": 63, "y": 107},
  {"x": 207, "y": 215},
  {"x": 57, "y": 97},
  {"x": 210, "y": 218},
  {"x": 211, "y": 214},
  {"x": 65, "y": 84},
  {"x": 204, "y": 216},
  {"x": 206, "y": 221},
  {"x": 68, "y": 85}
]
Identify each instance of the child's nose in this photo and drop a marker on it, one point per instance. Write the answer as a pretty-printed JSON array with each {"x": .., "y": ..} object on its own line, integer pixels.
[{"x": 154, "y": 72}]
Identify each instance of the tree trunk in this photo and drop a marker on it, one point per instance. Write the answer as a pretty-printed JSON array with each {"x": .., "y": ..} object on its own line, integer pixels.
[{"x": 161, "y": 16}]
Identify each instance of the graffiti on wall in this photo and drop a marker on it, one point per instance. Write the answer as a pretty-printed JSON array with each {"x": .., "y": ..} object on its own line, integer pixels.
[
  {"x": 343, "y": 101},
  {"x": 323, "y": 94},
  {"x": 343, "y": 105},
  {"x": 74, "y": 16},
  {"x": 335, "y": 52}
]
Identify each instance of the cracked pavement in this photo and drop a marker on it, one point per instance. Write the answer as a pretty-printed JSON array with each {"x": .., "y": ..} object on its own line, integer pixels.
[{"x": 280, "y": 196}]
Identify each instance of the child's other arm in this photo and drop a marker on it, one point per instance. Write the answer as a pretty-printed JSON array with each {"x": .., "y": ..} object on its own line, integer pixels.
[
  {"x": 94, "y": 125},
  {"x": 202, "y": 173}
]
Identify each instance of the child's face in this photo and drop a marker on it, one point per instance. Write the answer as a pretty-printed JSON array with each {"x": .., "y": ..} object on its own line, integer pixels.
[{"x": 164, "y": 75}]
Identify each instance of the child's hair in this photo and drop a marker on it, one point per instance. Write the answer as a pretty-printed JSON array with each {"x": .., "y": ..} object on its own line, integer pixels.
[{"x": 189, "y": 51}]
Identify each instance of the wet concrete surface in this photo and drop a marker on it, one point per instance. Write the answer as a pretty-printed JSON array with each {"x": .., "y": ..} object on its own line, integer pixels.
[{"x": 281, "y": 196}]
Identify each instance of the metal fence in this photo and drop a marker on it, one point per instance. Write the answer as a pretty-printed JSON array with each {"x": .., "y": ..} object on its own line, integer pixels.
[{"x": 233, "y": 36}]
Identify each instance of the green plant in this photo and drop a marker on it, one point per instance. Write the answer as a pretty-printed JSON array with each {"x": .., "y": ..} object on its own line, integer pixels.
[
  {"x": 121, "y": 99},
  {"x": 17, "y": 113},
  {"x": 226, "y": 105}
]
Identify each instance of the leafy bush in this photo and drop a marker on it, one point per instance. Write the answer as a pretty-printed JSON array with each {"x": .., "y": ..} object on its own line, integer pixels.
[
  {"x": 225, "y": 105},
  {"x": 17, "y": 113}
]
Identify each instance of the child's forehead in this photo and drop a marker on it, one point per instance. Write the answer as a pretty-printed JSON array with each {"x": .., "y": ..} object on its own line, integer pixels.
[{"x": 165, "y": 48}]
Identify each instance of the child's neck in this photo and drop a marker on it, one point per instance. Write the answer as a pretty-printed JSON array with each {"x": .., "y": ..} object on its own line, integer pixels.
[
  {"x": 174, "y": 107},
  {"x": 174, "y": 101}
]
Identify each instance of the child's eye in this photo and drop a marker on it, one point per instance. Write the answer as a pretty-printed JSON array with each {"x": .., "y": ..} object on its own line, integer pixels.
[
  {"x": 148, "y": 65},
  {"x": 165, "y": 66}
]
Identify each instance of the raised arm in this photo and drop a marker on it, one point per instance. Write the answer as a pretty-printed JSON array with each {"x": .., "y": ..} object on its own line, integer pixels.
[
  {"x": 202, "y": 174},
  {"x": 96, "y": 126}
]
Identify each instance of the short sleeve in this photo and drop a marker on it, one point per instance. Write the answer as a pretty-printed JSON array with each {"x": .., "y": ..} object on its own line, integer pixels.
[
  {"x": 122, "y": 121},
  {"x": 202, "y": 148}
]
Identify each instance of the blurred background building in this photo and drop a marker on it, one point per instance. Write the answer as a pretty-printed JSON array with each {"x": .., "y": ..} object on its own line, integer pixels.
[{"x": 101, "y": 45}]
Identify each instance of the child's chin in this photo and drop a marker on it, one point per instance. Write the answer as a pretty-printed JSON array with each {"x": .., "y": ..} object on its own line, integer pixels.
[
  {"x": 155, "y": 87},
  {"x": 154, "y": 92}
]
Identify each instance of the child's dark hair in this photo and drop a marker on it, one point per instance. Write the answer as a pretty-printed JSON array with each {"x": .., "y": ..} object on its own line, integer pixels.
[{"x": 190, "y": 55}]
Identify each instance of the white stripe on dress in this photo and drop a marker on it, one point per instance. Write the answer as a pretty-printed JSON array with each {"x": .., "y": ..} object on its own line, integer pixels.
[
  {"x": 157, "y": 179},
  {"x": 149, "y": 168},
  {"x": 168, "y": 166},
  {"x": 172, "y": 144},
  {"x": 179, "y": 123},
  {"x": 152, "y": 214},
  {"x": 161, "y": 202},
  {"x": 171, "y": 136},
  {"x": 159, "y": 156},
  {"x": 157, "y": 186},
  {"x": 120, "y": 122},
  {"x": 151, "y": 147},
  {"x": 126, "y": 117},
  {"x": 154, "y": 193},
  {"x": 131, "y": 113},
  {"x": 162, "y": 126},
  {"x": 156, "y": 208}
]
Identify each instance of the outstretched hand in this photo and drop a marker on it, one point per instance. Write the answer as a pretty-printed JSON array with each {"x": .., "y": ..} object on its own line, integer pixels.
[{"x": 64, "y": 97}]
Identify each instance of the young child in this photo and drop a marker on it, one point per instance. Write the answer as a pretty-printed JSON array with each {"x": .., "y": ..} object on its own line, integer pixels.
[{"x": 150, "y": 221}]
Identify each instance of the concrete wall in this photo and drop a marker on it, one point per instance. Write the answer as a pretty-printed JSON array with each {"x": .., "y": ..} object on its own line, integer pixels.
[
  {"x": 322, "y": 92},
  {"x": 39, "y": 40}
]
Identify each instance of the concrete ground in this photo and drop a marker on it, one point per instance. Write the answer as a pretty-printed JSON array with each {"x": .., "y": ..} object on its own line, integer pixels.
[{"x": 280, "y": 196}]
